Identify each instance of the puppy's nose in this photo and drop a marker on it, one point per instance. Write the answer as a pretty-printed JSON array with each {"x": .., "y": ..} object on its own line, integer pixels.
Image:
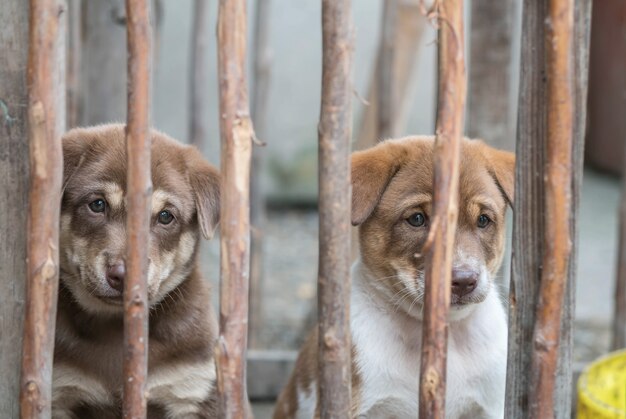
[
  {"x": 464, "y": 281},
  {"x": 115, "y": 275}
]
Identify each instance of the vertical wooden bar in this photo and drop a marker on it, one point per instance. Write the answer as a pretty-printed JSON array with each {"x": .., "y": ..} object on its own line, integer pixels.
[
  {"x": 528, "y": 221},
  {"x": 557, "y": 233},
  {"x": 236, "y": 138},
  {"x": 74, "y": 46},
  {"x": 490, "y": 75},
  {"x": 335, "y": 131},
  {"x": 199, "y": 75},
  {"x": 138, "y": 199},
  {"x": 14, "y": 181},
  {"x": 619, "y": 316},
  {"x": 439, "y": 247},
  {"x": 387, "y": 89},
  {"x": 582, "y": 29},
  {"x": 46, "y": 123},
  {"x": 260, "y": 100}
]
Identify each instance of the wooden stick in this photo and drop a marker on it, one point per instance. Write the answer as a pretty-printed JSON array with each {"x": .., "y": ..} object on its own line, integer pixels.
[
  {"x": 335, "y": 131},
  {"x": 387, "y": 89},
  {"x": 490, "y": 73},
  {"x": 74, "y": 45},
  {"x": 199, "y": 75},
  {"x": 46, "y": 123},
  {"x": 452, "y": 87},
  {"x": 236, "y": 139},
  {"x": 557, "y": 240},
  {"x": 260, "y": 99},
  {"x": 138, "y": 198}
]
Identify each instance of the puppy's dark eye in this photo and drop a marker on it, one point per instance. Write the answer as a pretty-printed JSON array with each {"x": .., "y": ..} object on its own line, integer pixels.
[
  {"x": 483, "y": 221},
  {"x": 99, "y": 205},
  {"x": 165, "y": 217},
  {"x": 417, "y": 220}
]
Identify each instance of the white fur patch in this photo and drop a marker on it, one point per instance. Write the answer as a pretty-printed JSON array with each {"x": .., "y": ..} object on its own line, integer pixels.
[
  {"x": 388, "y": 350},
  {"x": 70, "y": 386},
  {"x": 307, "y": 400},
  {"x": 180, "y": 388}
]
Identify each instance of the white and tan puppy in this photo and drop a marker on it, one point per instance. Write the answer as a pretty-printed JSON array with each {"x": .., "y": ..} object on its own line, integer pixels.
[
  {"x": 392, "y": 205},
  {"x": 87, "y": 372}
]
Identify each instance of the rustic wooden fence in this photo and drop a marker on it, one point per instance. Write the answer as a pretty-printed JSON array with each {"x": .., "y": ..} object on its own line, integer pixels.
[{"x": 550, "y": 132}]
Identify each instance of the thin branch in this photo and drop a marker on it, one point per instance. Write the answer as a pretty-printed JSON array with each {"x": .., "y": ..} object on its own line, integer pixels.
[
  {"x": 452, "y": 88},
  {"x": 138, "y": 198}
]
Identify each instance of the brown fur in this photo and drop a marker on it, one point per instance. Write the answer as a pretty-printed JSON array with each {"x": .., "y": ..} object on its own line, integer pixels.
[
  {"x": 390, "y": 182},
  {"x": 182, "y": 328}
]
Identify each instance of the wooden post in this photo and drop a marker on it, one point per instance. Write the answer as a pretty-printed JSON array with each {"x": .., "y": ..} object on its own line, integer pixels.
[
  {"x": 439, "y": 247},
  {"x": 619, "y": 317},
  {"x": 46, "y": 123},
  {"x": 199, "y": 75},
  {"x": 236, "y": 138},
  {"x": 489, "y": 98},
  {"x": 528, "y": 215},
  {"x": 260, "y": 99},
  {"x": 13, "y": 197},
  {"x": 74, "y": 46},
  {"x": 138, "y": 198},
  {"x": 335, "y": 131},
  {"x": 557, "y": 234}
]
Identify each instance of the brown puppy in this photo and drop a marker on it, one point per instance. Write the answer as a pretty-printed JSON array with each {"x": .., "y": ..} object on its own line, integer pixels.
[
  {"x": 392, "y": 204},
  {"x": 87, "y": 373}
]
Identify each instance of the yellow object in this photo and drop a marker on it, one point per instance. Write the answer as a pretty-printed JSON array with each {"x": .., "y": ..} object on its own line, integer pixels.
[{"x": 602, "y": 388}]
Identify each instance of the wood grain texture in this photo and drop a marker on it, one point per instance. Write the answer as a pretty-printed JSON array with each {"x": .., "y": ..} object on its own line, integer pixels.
[
  {"x": 236, "y": 134},
  {"x": 199, "y": 75},
  {"x": 559, "y": 38},
  {"x": 261, "y": 60},
  {"x": 138, "y": 201},
  {"x": 46, "y": 123},
  {"x": 490, "y": 75},
  {"x": 335, "y": 132},
  {"x": 528, "y": 214},
  {"x": 13, "y": 197},
  {"x": 440, "y": 243}
]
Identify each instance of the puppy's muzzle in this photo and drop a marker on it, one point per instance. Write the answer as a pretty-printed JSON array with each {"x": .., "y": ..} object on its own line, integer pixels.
[
  {"x": 464, "y": 281},
  {"x": 116, "y": 274}
]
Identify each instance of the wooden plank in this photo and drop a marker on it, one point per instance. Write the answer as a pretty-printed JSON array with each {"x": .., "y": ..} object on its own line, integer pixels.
[
  {"x": 13, "y": 197},
  {"x": 439, "y": 246},
  {"x": 490, "y": 84},
  {"x": 199, "y": 75},
  {"x": 236, "y": 138},
  {"x": 386, "y": 88},
  {"x": 335, "y": 131},
  {"x": 46, "y": 123},
  {"x": 559, "y": 36},
  {"x": 262, "y": 56},
  {"x": 138, "y": 199},
  {"x": 528, "y": 215}
]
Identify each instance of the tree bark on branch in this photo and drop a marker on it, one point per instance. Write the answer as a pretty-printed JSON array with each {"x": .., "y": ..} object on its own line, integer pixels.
[
  {"x": 439, "y": 246},
  {"x": 138, "y": 198},
  {"x": 335, "y": 132},
  {"x": 46, "y": 123},
  {"x": 236, "y": 134}
]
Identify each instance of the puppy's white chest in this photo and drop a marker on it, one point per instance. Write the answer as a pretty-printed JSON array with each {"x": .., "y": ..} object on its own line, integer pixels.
[{"x": 388, "y": 358}]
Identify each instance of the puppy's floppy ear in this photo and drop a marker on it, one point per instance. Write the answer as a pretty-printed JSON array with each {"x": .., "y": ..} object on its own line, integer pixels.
[
  {"x": 501, "y": 166},
  {"x": 372, "y": 169},
  {"x": 205, "y": 183}
]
